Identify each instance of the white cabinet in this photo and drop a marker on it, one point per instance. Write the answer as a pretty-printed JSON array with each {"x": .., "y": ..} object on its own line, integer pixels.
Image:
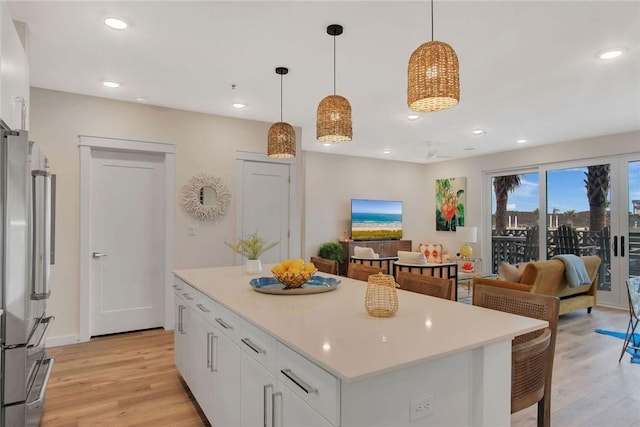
[
  {"x": 292, "y": 411},
  {"x": 202, "y": 366},
  {"x": 226, "y": 381},
  {"x": 257, "y": 376},
  {"x": 179, "y": 333},
  {"x": 14, "y": 72},
  {"x": 207, "y": 354},
  {"x": 242, "y": 376},
  {"x": 307, "y": 390},
  {"x": 257, "y": 387}
]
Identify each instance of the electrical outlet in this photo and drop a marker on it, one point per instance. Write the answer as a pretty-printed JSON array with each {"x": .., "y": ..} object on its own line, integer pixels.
[{"x": 421, "y": 407}]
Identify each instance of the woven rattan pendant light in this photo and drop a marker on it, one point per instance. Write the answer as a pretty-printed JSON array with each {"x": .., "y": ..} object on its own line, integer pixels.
[
  {"x": 433, "y": 76},
  {"x": 333, "y": 123},
  {"x": 281, "y": 139}
]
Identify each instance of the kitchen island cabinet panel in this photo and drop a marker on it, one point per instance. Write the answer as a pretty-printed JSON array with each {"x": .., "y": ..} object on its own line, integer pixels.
[
  {"x": 257, "y": 387},
  {"x": 335, "y": 365}
]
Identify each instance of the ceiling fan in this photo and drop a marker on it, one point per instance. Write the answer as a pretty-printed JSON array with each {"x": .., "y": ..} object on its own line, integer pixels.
[{"x": 433, "y": 152}]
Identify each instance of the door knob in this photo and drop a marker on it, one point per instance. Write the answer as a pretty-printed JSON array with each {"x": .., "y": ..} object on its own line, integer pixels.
[{"x": 98, "y": 255}]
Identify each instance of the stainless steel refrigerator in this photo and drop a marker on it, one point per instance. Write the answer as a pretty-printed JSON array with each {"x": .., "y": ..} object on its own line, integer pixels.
[{"x": 27, "y": 191}]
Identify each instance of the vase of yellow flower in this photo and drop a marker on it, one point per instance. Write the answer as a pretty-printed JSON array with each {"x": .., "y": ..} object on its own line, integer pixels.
[{"x": 251, "y": 248}]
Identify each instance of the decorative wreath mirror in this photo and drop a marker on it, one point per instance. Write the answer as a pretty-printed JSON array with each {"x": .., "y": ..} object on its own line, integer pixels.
[{"x": 206, "y": 197}]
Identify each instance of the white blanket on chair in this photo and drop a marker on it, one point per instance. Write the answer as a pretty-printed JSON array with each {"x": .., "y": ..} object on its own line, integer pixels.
[{"x": 574, "y": 270}]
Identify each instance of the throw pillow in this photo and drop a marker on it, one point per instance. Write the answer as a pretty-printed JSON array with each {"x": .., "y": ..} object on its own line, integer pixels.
[
  {"x": 415, "y": 258},
  {"x": 509, "y": 272},
  {"x": 364, "y": 252},
  {"x": 432, "y": 251}
]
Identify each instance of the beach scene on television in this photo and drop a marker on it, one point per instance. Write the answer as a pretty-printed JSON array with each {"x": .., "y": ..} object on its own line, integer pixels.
[{"x": 376, "y": 219}]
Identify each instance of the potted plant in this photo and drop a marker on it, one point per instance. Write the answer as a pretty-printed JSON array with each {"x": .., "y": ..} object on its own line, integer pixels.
[
  {"x": 331, "y": 250},
  {"x": 251, "y": 248}
]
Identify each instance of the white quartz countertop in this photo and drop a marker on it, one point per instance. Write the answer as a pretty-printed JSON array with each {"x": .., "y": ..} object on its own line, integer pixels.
[{"x": 334, "y": 330}]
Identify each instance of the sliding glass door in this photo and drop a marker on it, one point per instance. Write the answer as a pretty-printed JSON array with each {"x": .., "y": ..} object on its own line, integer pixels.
[
  {"x": 625, "y": 230},
  {"x": 591, "y": 207},
  {"x": 578, "y": 206}
]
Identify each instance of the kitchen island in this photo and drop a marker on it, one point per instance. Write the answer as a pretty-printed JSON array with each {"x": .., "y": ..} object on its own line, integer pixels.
[{"x": 319, "y": 359}]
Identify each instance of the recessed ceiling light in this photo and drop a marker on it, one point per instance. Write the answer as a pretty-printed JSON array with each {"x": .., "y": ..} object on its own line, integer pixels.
[
  {"x": 478, "y": 131},
  {"x": 238, "y": 105},
  {"x": 413, "y": 117},
  {"x": 115, "y": 23},
  {"x": 610, "y": 53},
  {"x": 522, "y": 141},
  {"x": 142, "y": 99},
  {"x": 386, "y": 152},
  {"x": 327, "y": 145},
  {"x": 111, "y": 84}
]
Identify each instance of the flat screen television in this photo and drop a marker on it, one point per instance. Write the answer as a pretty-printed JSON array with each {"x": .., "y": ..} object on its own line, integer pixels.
[{"x": 376, "y": 219}]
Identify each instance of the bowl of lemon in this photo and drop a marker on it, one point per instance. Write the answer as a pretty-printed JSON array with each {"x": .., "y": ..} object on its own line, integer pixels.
[{"x": 293, "y": 273}]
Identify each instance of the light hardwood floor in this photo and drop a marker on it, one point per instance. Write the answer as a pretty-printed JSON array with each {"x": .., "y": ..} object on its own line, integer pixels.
[
  {"x": 130, "y": 380},
  {"x": 118, "y": 380}
]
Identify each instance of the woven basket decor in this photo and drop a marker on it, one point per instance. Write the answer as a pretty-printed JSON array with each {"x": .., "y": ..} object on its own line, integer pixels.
[
  {"x": 381, "y": 299},
  {"x": 281, "y": 141},
  {"x": 433, "y": 77},
  {"x": 334, "y": 120}
]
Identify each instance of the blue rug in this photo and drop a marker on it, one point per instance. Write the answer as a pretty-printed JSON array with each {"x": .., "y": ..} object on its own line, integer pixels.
[{"x": 635, "y": 358}]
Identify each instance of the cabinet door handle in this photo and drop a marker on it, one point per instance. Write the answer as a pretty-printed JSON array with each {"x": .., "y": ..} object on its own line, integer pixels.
[
  {"x": 273, "y": 408},
  {"x": 181, "y": 319},
  {"x": 265, "y": 406},
  {"x": 203, "y": 308},
  {"x": 299, "y": 381},
  {"x": 223, "y": 323},
  {"x": 214, "y": 358},
  {"x": 186, "y": 295},
  {"x": 615, "y": 245},
  {"x": 622, "y": 246},
  {"x": 209, "y": 349},
  {"x": 253, "y": 346}
]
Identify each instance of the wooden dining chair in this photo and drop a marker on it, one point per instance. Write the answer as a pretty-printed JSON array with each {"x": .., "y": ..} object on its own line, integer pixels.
[
  {"x": 531, "y": 353},
  {"x": 362, "y": 271},
  {"x": 324, "y": 265},
  {"x": 428, "y": 285}
]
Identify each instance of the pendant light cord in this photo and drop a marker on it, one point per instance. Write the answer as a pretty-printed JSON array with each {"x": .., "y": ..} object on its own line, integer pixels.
[
  {"x": 431, "y": 20},
  {"x": 281, "y": 78},
  {"x": 334, "y": 64}
]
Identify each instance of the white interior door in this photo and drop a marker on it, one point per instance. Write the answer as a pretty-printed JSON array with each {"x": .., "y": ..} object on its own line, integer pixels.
[
  {"x": 127, "y": 239},
  {"x": 265, "y": 205}
]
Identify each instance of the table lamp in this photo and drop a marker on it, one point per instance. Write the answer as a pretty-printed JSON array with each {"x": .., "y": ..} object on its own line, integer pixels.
[{"x": 466, "y": 235}]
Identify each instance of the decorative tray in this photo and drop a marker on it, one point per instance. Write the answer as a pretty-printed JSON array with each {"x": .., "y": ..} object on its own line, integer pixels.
[{"x": 315, "y": 285}]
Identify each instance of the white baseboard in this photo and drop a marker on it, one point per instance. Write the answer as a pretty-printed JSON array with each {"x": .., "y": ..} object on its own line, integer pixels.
[{"x": 62, "y": 340}]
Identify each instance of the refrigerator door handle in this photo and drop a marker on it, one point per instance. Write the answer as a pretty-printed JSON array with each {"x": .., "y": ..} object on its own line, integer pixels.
[
  {"x": 48, "y": 362},
  {"x": 41, "y": 234},
  {"x": 49, "y": 322}
]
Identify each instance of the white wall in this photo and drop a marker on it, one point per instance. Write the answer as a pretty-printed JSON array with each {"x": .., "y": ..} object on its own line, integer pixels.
[
  {"x": 333, "y": 180},
  {"x": 204, "y": 143}
]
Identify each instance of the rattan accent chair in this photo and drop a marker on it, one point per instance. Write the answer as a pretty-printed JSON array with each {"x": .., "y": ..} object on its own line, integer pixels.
[
  {"x": 630, "y": 341},
  {"x": 328, "y": 266},
  {"x": 428, "y": 285},
  {"x": 362, "y": 271},
  {"x": 532, "y": 353}
]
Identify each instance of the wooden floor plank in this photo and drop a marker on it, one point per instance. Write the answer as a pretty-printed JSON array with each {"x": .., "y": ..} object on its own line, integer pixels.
[
  {"x": 130, "y": 380},
  {"x": 119, "y": 380}
]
